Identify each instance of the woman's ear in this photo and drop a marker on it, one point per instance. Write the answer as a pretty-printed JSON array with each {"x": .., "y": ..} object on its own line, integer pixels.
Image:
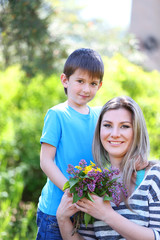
[{"x": 64, "y": 80}]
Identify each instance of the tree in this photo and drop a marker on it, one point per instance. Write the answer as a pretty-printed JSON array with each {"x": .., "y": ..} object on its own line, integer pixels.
[{"x": 25, "y": 36}]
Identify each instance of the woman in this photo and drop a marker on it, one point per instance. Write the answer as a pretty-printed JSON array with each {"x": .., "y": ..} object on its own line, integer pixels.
[{"x": 121, "y": 139}]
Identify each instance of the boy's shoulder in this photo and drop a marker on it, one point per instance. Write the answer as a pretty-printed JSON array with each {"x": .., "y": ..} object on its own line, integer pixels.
[
  {"x": 96, "y": 109},
  {"x": 56, "y": 110},
  {"x": 61, "y": 107}
]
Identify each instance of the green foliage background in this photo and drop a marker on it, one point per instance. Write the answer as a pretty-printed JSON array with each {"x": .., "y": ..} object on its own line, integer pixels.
[
  {"x": 27, "y": 91},
  {"x": 23, "y": 107}
]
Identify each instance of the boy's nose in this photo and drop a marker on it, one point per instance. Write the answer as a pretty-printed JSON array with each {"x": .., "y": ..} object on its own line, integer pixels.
[{"x": 86, "y": 88}]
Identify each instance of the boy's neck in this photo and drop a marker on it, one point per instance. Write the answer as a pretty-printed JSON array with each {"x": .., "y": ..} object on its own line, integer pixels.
[{"x": 83, "y": 109}]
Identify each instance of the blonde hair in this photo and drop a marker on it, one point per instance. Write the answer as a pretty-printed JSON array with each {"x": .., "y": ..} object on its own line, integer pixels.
[{"x": 140, "y": 147}]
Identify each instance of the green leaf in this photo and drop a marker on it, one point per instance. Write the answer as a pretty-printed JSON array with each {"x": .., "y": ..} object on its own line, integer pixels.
[
  {"x": 89, "y": 197},
  {"x": 72, "y": 190},
  {"x": 95, "y": 193},
  {"x": 66, "y": 185},
  {"x": 76, "y": 197},
  {"x": 113, "y": 180},
  {"x": 85, "y": 188},
  {"x": 73, "y": 181},
  {"x": 81, "y": 174},
  {"x": 107, "y": 198},
  {"x": 86, "y": 176},
  {"x": 87, "y": 219},
  {"x": 102, "y": 193}
]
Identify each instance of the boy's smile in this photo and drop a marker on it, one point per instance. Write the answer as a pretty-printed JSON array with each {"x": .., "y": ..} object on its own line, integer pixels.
[{"x": 81, "y": 88}]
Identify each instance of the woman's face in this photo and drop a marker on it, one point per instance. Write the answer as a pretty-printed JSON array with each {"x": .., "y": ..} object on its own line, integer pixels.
[{"x": 116, "y": 133}]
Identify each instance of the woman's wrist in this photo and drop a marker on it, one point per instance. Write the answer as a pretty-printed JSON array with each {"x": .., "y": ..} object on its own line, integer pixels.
[
  {"x": 108, "y": 217},
  {"x": 62, "y": 218}
]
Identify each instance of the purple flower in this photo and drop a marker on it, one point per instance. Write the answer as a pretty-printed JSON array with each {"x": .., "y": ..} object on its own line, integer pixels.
[
  {"x": 79, "y": 191},
  {"x": 91, "y": 187},
  {"x": 70, "y": 169},
  {"x": 98, "y": 181},
  {"x": 83, "y": 163}
]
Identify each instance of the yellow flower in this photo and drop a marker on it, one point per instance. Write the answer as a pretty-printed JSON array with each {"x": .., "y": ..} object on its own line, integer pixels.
[
  {"x": 107, "y": 168},
  {"x": 87, "y": 169},
  {"x": 78, "y": 167},
  {"x": 92, "y": 164},
  {"x": 98, "y": 170}
]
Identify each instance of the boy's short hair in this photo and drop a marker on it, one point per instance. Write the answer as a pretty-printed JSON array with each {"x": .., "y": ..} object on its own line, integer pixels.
[{"x": 85, "y": 59}]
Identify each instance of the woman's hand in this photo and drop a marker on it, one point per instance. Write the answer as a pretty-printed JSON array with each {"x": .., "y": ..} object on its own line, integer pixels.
[
  {"x": 103, "y": 211},
  {"x": 66, "y": 208},
  {"x": 98, "y": 209}
]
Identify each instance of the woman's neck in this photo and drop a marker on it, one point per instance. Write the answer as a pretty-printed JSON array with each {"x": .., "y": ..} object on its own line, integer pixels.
[{"x": 116, "y": 162}]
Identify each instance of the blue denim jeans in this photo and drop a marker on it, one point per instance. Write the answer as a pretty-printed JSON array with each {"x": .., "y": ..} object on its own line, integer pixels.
[{"x": 47, "y": 227}]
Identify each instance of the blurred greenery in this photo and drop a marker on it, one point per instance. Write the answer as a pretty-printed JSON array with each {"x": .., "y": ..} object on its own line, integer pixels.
[
  {"x": 26, "y": 37},
  {"x": 35, "y": 38}
]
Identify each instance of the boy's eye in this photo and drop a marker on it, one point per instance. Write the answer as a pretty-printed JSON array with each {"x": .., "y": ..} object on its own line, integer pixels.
[
  {"x": 80, "y": 81},
  {"x": 94, "y": 84}
]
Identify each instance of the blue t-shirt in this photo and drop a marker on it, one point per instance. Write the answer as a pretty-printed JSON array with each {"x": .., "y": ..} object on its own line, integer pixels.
[{"x": 72, "y": 134}]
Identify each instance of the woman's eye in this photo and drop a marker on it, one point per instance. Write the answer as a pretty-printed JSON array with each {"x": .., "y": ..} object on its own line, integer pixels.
[
  {"x": 125, "y": 126},
  {"x": 107, "y": 125}
]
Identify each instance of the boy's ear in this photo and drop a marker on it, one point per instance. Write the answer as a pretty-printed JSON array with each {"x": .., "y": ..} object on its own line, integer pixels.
[
  {"x": 100, "y": 85},
  {"x": 64, "y": 80}
]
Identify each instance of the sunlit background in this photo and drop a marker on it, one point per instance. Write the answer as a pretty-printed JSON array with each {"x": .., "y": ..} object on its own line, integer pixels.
[
  {"x": 115, "y": 13},
  {"x": 36, "y": 37}
]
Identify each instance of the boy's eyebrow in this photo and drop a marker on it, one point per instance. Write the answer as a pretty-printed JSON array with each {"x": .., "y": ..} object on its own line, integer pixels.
[{"x": 97, "y": 80}]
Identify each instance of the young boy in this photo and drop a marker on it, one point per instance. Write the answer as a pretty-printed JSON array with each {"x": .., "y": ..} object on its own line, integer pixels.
[{"x": 68, "y": 133}]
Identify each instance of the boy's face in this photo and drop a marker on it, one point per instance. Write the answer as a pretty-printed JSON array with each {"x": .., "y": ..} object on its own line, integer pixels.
[{"x": 81, "y": 88}]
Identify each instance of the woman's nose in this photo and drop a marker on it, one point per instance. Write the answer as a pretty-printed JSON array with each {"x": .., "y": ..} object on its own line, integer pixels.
[{"x": 115, "y": 132}]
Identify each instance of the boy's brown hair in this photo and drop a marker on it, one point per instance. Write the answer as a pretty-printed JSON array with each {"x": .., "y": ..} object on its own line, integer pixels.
[{"x": 87, "y": 60}]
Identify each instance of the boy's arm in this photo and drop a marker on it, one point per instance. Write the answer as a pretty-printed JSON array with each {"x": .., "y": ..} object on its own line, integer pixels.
[{"x": 48, "y": 166}]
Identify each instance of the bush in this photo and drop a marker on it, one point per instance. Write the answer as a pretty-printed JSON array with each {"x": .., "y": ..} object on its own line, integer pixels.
[{"x": 24, "y": 103}]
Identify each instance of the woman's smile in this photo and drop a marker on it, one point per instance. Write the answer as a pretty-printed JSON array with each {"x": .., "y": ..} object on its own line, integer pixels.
[
  {"x": 116, "y": 132},
  {"x": 115, "y": 143}
]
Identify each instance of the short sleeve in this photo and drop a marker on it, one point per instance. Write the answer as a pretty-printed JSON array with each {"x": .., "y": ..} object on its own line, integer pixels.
[{"x": 51, "y": 133}]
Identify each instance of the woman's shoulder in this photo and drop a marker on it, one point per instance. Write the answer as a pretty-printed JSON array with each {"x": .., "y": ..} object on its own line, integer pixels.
[
  {"x": 153, "y": 166},
  {"x": 152, "y": 180},
  {"x": 152, "y": 176}
]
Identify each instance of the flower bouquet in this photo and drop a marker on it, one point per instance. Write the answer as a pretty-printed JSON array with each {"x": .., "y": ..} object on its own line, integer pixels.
[{"x": 85, "y": 180}]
